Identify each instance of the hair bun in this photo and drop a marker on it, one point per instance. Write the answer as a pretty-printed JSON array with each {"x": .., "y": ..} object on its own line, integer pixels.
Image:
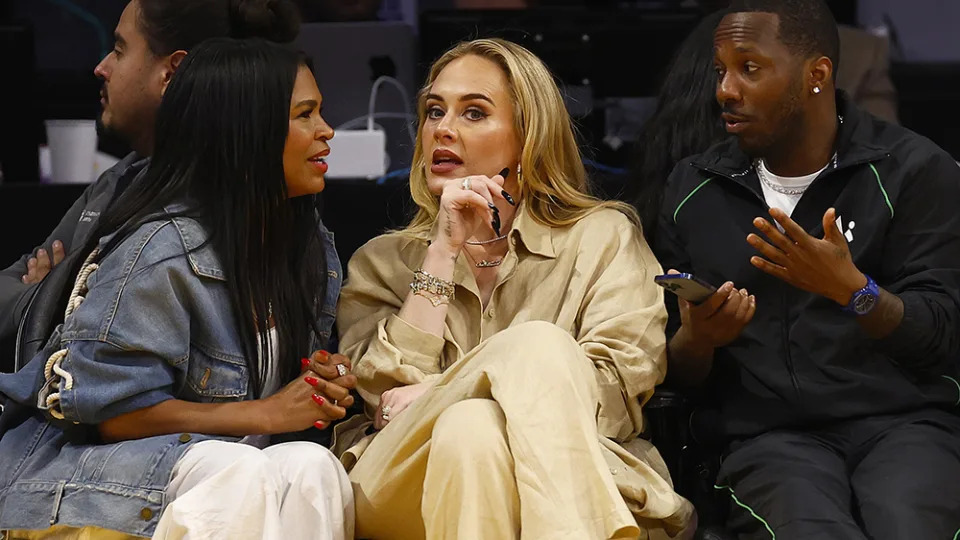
[{"x": 274, "y": 20}]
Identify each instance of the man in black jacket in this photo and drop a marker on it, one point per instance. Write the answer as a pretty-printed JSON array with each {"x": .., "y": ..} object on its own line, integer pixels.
[{"x": 835, "y": 363}]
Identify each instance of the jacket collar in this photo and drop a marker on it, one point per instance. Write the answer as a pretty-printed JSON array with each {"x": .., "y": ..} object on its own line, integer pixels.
[
  {"x": 535, "y": 236},
  {"x": 855, "y": 144}
]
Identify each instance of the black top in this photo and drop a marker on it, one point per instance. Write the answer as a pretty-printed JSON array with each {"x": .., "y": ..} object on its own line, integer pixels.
[{"x": 801, "y": 361}]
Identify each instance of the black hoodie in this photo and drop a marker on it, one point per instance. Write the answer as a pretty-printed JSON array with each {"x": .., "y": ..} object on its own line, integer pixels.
[{"x": 802, "y": 361}]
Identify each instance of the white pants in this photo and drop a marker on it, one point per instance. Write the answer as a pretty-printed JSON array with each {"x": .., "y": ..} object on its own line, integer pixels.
[{"x": 290, "y": 491}]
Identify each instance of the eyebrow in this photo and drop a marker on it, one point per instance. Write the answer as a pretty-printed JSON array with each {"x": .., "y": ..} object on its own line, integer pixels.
[
  {"x": 118, "y": 39},
  {"x": 312, "y": 103},
  {"x": 465, "y": 97},
  {"x": 742, "y": 49}
]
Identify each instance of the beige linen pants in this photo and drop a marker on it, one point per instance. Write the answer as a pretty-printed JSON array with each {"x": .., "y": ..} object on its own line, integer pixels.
[{"x": 504, "y": 446}]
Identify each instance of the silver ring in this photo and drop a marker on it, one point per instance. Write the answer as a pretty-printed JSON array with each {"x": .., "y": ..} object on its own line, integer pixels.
[
  {"x": 466, "y": 184},
  {"x": 341, "y": 370},
  {"x": 385, "y": 412}
]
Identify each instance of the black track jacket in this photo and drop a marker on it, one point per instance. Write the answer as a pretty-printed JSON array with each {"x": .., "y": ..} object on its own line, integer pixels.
[{"x": 802, "y": 362}]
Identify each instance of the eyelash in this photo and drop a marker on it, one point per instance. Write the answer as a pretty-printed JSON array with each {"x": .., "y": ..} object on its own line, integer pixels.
[{"x": 479, "y": 114}]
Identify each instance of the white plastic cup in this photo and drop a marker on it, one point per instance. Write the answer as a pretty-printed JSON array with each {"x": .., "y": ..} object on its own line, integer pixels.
[{"x": 73, "y": 150}]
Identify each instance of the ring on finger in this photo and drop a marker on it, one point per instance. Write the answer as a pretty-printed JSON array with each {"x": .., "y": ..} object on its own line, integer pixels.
[
  {"x": 341, "y": 370},
  {"x": 466, "y": 184}
]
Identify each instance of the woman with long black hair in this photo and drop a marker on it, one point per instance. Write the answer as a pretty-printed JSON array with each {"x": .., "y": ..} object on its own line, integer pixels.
[
  {"x": 686, "y": 122},
  {"x": 149, "y": 410}
]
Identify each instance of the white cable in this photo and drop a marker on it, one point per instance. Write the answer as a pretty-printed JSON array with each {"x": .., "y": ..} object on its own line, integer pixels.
[
  {"x": 407, "y": 104},
  {"x": 360, "y": 120}
]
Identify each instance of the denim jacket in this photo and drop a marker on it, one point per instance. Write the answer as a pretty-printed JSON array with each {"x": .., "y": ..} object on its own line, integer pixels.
[{"x": 155, "y": 323}]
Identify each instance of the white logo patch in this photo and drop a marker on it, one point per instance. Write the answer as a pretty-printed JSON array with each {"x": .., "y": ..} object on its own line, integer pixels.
[{"x": 848, "y": 234}]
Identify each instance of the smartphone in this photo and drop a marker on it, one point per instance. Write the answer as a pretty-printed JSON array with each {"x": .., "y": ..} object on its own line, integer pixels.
[{"x": 686, "y": 286}]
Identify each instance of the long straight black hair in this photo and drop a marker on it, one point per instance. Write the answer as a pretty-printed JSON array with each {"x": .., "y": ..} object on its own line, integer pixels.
[
  {"x": 686, "y": 122},
  {"x": 220, "y": 136}
]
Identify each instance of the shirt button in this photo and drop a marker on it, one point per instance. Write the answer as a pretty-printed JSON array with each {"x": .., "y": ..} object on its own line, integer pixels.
[
  {"x": 146, "y": 514},
  {"x": 491, "y": 313},
  {"x": 185, "y": 438},
  {"x": 614, "y": 471}
]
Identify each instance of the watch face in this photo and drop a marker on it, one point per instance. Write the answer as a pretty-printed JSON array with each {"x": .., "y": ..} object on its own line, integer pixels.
[{"x": 864, "y": 303}]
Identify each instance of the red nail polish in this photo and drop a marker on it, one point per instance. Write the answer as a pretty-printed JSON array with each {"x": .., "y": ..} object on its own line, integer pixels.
[
  {"x": 324, "y": 354},
  {"x": 319, "y": 424},
  {"x": 318, "y": 399},
  {"x": 312, "y": 381},
  {"x": 304, "y": 362}
]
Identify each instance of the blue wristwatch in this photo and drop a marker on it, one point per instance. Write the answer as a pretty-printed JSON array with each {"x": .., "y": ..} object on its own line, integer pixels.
[{"x": 865, "y": 299}]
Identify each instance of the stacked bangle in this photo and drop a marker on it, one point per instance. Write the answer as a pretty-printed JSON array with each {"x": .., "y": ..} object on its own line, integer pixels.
[{"x": 438, "y": 291}]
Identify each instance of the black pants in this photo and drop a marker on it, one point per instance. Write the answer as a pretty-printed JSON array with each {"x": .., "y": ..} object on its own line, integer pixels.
[{"x": 888, "y": 477}]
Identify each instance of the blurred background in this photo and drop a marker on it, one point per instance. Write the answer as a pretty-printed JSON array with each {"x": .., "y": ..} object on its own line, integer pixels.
[{"x": 609, "y": 56}]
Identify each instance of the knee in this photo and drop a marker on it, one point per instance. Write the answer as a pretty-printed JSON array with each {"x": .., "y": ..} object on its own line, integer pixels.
[
  {"x": 543, "y": 347},
  {"x": 211, "y": 458},
  {"x": 470, "y": 431},
  {"x": 537, "y": 332},
  {"x": 308, "y": 463}
]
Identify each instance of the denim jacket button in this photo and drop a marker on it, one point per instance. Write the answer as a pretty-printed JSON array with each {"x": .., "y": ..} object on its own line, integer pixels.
[
  {"x": 185, "y": 438},
  {"x": 146, "y": 514}
]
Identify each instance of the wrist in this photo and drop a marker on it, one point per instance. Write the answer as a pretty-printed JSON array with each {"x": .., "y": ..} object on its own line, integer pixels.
[
  {"x": 439, "y": 251},
  {"x": 849, "y": 287},
  {"x": 262, "y": 414},
  {"x": 690, "y": 346}
]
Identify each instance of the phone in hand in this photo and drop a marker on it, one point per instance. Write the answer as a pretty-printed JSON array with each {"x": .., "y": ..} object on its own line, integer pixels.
[{"x": 686, "y": 286}]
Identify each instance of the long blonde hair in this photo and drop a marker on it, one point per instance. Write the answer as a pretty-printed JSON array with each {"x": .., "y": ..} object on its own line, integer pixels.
[{"x": 553, "y": 181}]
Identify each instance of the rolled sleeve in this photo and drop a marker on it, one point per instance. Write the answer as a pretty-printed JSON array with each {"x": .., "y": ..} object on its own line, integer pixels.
[
  {"x": 386, "y": 350},
  {"x": 109, "y": 381},
  {"x": 416, "y": 347}
]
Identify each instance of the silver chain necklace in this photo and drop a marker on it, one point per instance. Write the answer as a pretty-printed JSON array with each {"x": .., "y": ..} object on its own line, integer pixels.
[{"x": 759, "y": 164}]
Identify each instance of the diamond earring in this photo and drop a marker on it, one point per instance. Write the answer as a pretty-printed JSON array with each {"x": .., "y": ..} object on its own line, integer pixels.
[{"x": 816, "y": 89}]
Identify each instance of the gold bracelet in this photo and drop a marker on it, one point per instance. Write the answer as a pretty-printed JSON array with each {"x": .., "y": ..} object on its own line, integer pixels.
[
  {"x": 435, "y": 299},
  {"x": 422, "y": 281}
]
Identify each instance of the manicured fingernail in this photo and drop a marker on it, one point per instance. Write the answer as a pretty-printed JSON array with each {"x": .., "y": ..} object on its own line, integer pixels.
[
  {"x": 318, "y": 399},
  {"x": 312, "y": 381},
  {"x": 493, "y": 207},
  {"x": 508, "y": 198},
  {"x": 505, "y": 172},
  {"x": 42, "y": 252},
  {"x": 57, "y": 244},
  {"x": 319, "y": 424},
  {"x": 496, "y": 224},
  {"x": 304, "y": 362},
  {"x": 324, "y": 354}
]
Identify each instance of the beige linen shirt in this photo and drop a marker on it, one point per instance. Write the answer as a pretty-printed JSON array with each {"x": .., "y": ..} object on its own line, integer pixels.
[{"x": 593, "y": 279}]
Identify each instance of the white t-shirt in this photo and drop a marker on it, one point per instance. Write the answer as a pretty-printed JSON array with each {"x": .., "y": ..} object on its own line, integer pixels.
[
  {"x": 774, "y": 198},
  {"x": 271, "y": 384}
]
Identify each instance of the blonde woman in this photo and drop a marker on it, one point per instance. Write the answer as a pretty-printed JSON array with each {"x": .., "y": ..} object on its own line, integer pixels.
[{"x": 505, "y": 341}]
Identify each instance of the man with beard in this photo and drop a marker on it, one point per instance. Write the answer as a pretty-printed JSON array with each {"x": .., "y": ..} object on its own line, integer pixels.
[
  {"x": 151, "y": 39},
  {"x": 831, "y": 347}
]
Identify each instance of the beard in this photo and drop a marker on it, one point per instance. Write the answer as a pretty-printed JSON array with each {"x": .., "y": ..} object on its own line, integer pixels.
[{"x": 786, "y": 122}]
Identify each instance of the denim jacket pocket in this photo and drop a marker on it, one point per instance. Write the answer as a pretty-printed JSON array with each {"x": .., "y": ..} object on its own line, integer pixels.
[{"x": 213, "y": 375}]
